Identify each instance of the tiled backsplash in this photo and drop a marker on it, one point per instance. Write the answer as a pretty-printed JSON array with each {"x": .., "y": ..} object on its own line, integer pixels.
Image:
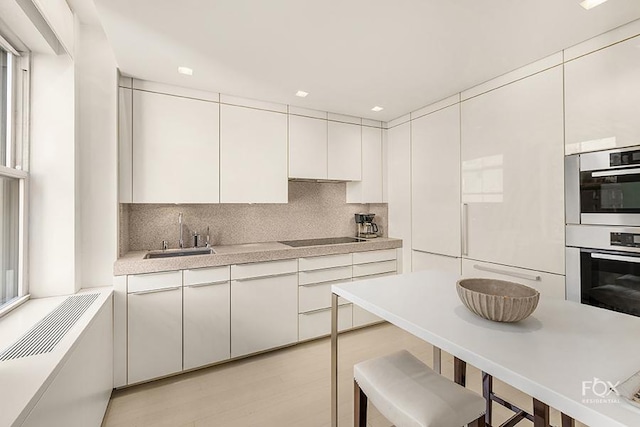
[{"x": 315, "y": 210}]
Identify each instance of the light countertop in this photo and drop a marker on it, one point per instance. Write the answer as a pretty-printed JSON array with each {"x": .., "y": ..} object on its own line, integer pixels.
[{"x": 134, "y": 262}]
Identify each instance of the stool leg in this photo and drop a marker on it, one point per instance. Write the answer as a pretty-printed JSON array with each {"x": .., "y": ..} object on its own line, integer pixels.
[
  {"x": 459, "y": 371},
  {"x": 360, "y": 406},
  {"x": 478, "y": 423}
]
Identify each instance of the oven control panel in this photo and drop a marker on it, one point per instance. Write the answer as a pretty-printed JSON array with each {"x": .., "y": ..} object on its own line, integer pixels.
[
  {"x": 624, "y": 158},
  {"x": 630, "y": 240}
]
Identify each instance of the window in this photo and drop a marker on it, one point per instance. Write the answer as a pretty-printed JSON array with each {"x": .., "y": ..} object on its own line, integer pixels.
[{"x": 13, "y": 179}]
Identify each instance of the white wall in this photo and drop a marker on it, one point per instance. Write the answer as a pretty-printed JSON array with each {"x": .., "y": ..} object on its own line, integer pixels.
[
  {"x": 96, "y": 98},
  {"x": 73, "y": 218},
  {"x": 52, "y": 186}
]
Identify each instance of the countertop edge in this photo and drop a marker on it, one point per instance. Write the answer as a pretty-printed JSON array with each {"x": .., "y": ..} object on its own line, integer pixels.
[{"x": 134, "y": 262}]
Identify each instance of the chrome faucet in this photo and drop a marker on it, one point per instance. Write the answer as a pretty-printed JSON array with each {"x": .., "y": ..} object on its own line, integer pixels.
[{"x": 180, "y": 241}]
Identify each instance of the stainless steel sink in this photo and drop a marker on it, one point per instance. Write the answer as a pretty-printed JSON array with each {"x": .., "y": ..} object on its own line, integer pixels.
[{"x": 170, "y": 253}]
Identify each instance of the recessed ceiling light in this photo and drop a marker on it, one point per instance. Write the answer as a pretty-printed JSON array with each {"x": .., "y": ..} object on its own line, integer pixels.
[
  {"x": 185, "y": 70},
  {"x": 302, "y": 94},
  {"x": 376, "y": 109},
  {"x": 588, "y": 4}
]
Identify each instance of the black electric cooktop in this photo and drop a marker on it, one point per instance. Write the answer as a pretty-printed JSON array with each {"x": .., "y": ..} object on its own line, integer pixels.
[{"x": 320, "y": 242}]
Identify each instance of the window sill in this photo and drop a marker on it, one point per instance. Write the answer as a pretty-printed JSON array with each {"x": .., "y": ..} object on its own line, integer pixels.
[{"x": 17, "y": 302}]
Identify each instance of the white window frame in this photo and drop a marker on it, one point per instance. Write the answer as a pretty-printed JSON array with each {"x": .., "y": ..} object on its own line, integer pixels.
[{"x": 17, "y": 146}]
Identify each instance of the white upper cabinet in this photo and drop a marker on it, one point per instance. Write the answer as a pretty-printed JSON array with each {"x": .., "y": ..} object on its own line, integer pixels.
[
  {"x": 307, "y": 147},
  {"x": 253, "y": 156},
  {"x": 512, "y": 174},
  {"x": 602, "y": 96},
  {"x": 125, "y": 145},
  {"x": 345, "y": 151},
  {"x": 435, "y": 142},
  {"x": 175, "y": 149},
  {"x": 369, "y": 189}
]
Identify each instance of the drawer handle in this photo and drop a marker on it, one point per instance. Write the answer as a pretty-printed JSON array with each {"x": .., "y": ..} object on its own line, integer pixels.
[
  {"x": 319, "y": 310},
  {"x": 155, "y": 291},
  {"x": 247, "y": 279},
  {"x": 202, "y": 285},
  {"x": 326, "y": 282},
  {"x": 325, "y": 268},
  {"x": 508, "y": 273}
]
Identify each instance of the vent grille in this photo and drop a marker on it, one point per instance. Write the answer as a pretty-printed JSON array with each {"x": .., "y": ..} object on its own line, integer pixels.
[{"x": 47, "y": 333}]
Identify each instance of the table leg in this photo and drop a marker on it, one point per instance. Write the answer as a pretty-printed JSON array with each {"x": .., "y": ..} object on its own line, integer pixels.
[
  {"x": 459, "y": 371},
  {"x": 334, "y": 360},
  {"x": 487, "y": 389},
  {"x": 540, "y": 414},
  {"x": 437, "y": 359},
  {"x": 567, "y": 421}
]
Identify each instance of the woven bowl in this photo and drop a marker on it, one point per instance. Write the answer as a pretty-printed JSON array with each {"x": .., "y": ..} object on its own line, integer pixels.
[{"x": 498, "y": 300}]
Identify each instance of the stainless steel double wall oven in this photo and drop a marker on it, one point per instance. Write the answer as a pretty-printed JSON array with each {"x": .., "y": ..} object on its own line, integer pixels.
[{"x": 602, "y": 195}]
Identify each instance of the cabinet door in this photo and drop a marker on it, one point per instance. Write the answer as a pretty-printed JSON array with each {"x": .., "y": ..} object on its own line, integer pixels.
[
  {"x": 175, "y": 149},
  {"x": 307, "y": 147},
  {"x": 369, "y": 189},
  {"x": 512, "y": 174},
  {"x": 345, "y": 151},
  {"x": 399, "y": 183},
  {"x": 264, "y": 313},
  {"x": 435, "y": 141},
  {"x": 206, "y": 323},
  {"x": 154, "y": 333},
  {"x": 253, "y": 156},
  {"x": 125, "y": 145},
  {"x": 602, "y": 99},
  {"x": 427, "y": 261}
]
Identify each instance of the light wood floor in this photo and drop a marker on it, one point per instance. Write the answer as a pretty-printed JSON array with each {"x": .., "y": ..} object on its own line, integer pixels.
[{"x": 288, "y": 387}]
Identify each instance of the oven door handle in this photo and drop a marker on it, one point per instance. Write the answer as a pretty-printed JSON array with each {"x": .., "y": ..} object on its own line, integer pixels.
[
  {"x": 617, "y": 172},
  {"x": 611, "y": 257}
]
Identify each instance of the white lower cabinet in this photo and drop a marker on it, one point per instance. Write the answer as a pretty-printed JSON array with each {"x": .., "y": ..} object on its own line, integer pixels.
[
  {"x": 207, "y": 318},
  {"x": 428, "y": 261},
  {"x": 370, "y": 265},
  {"x": 264, "y": 312},
  {"x": 182, "y": 320},
  {"x": 317, "y": 323},
  {"x": 154, "y": 326},
  {"x": 316, "y": 276},
  {"x": 549, "y": 285}
]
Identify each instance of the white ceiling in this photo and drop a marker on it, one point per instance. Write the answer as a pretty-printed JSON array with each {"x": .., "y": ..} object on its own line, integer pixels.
[{"x": 348, "y": 54}]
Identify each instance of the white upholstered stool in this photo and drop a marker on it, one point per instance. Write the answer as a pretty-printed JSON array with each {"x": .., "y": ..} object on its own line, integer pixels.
[{"x": 409, "y": 394}]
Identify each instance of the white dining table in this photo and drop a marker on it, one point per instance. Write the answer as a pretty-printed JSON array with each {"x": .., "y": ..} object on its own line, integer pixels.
[{"x": 564, "y": 355}]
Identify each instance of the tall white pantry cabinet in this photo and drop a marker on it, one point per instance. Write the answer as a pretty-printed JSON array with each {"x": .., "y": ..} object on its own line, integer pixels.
[
  {"x": 512, "y": 174},
  {"x": 435, "y": 189}
]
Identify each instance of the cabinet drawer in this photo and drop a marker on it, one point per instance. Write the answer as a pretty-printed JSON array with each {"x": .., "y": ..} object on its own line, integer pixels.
[
  {"x": 261, "y": 269},
  {"x": 549, "y": 285},
  {"x": 318, "y": 323},
  {"x": 199, "y": 276},
  {"x": 317, "y": 296},
  {"x": 374, "y": 268},
  {"x": 327, "y": 275},
  {"x": 152, "y": 281},
  {"x": 328, "y": 261},
  {"x": 374, "y": 256},
  {"x": 362, "y": 317}
]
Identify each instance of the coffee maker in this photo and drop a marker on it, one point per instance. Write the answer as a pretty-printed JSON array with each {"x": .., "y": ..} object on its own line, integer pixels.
[{"x": 366, "y": 228}]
